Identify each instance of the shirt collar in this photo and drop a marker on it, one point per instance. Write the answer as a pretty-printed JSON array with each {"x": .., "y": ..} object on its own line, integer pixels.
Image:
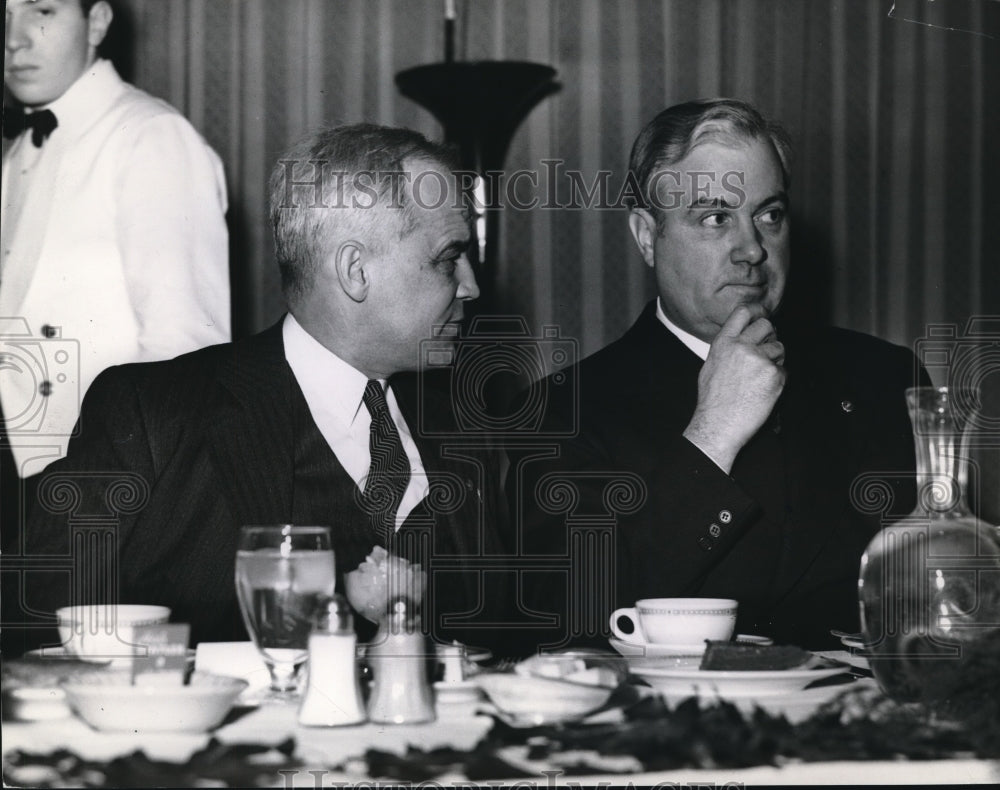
[
  {"x": 697, "y": 345},
  {"x": 86, "y": 99},
  {"x": 319, "y": 370}
]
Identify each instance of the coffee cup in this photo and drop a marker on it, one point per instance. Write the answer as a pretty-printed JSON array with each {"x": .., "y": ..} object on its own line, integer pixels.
[
  {"x": 677, "y": 622},
  {"x": 99, "y": 632}
]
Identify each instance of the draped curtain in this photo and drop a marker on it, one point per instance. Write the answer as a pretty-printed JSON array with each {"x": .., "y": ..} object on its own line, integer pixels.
[{"x": 892, "y": 105}]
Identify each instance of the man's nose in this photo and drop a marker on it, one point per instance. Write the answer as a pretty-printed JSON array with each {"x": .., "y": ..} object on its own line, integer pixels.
[
  {"x": 14, "y": 34},
  {"x": 747, "y": 247},
  {"x": 468, "y": 288}
]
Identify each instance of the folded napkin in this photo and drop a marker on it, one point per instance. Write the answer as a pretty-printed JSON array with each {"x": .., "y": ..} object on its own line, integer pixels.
[{"x": 236, "y": 659}]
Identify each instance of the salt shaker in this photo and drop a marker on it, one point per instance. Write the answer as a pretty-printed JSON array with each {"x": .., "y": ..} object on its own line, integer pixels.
[
  {"x": 333, "y": 694},
  {"x": 401, "y": 693}
]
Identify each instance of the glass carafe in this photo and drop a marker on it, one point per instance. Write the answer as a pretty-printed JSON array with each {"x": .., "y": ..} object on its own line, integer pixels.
[{"x": 929, "y": 587}]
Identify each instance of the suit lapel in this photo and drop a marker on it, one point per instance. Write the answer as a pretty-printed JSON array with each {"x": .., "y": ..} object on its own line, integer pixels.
[
  {"x": 667, "y": 374},
  {"x": 815, "y": 427},
  {"x": 252, "y": 443},
  {"x": 442, "y": 459},
  {"x": 455, "y": 474}
]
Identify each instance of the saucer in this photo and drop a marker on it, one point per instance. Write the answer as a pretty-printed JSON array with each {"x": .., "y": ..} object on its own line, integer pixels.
[
  {"x": 651, "y": 651},
  {"x": 676, "y": 683},
  {"x": 62, "y": 653}
]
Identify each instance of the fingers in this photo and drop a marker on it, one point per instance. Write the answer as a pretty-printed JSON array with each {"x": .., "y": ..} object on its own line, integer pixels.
[
  {"x": 741, "y": 318},
  {"x": 774, "y": 351},
  {"x": 749, "y": 324},
  {"x": 759, "y": 331}
]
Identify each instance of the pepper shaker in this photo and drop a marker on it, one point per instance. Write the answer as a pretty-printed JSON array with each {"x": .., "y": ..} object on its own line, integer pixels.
[{"x": 401, "y": 693}]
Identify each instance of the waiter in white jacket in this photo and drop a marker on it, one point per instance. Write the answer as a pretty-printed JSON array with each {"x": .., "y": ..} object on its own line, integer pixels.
[{"x": 114, "y": 242}]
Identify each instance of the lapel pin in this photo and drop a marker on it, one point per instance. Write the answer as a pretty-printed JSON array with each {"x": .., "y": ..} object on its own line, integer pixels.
[{"x": 847, "y": 406}]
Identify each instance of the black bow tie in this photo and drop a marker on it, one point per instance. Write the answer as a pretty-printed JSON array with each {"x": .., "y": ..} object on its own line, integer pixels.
[{"x": 41, "y": 123}]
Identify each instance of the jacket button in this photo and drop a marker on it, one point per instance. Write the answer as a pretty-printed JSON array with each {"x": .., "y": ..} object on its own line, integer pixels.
[
  {"x": 715, "y": 530},
  {"x": 48, "y": 331},
  {"x": 847, "y": 406},
  {"x": 725, "y": 516},
  {"x": 45, "y": 388},
  {"x": 706, "y": 543}
]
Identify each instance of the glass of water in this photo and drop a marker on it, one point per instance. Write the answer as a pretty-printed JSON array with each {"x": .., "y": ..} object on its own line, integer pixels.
[{"x": 283, "y": 573}]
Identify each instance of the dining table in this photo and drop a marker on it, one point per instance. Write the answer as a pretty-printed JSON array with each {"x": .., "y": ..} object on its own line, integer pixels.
[{"x": 779, "y": 740}]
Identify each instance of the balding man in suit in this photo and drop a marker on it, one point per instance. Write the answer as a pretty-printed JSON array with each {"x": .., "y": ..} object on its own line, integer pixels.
[{"x": 317, "y": 420}]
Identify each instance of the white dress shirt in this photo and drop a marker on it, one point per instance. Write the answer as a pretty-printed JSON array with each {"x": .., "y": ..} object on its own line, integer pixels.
[
  {"x": 335, "y": 392},
  {"x": 116, "y": 250},
  {"x": 697, "y": 345}
]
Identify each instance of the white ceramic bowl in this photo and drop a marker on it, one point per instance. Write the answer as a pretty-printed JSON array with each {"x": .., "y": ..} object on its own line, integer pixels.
[
  {"x": 535, "y": 700},
  {"x": 108, "y": 701},
  {"x": 555, "y": 687},
  {"x": 97, "y": 632}
]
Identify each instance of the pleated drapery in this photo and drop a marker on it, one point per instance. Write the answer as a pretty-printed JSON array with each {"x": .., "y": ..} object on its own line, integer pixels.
[{"x": 892, "y": 105}]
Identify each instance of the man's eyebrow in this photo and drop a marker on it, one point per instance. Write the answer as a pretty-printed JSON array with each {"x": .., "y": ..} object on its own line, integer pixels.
[
  {"x": 454, "y": 247},
  {"x": 721, "y": 203},
  {"x": 707, "y": 202},
  {"x": 779, "y": 197}
]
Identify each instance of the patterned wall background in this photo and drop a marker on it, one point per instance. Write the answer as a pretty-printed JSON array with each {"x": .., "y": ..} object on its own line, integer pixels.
[{"x": 893, "y": 106}]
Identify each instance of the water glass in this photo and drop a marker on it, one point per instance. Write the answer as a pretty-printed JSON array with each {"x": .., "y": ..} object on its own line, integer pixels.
[{"x": 284, "y": 573}]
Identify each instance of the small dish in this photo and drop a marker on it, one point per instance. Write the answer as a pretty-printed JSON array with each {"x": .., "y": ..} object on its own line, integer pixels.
[
  {"x": 554, "y": 687},
  {"x": 457, "y": 692},
  {"x": 529, "y": 699},
  {"x": 108, "y": 701}
]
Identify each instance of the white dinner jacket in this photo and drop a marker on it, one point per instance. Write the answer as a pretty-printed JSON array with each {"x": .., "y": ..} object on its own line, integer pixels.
[{"x": 120, "y": 254}]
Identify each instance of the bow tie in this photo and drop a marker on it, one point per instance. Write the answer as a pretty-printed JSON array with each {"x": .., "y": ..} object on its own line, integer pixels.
[{"x": 41, "y": 124}]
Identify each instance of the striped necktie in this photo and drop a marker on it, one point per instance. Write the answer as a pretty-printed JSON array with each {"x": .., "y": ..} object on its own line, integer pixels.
[{"x": 389, "y": 473}]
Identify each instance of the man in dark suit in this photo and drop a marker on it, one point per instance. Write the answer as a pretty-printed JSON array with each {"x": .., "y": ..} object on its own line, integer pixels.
[
  {"x": 317, "y": 420},
  {"x": 746, "y": 454}
]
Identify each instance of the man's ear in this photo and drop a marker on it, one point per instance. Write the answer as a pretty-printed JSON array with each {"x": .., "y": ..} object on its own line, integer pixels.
[
  {"x": 98, "y": 22},
  {"x": 349, "y": 262},
  {"x": 643, "y": 227}
]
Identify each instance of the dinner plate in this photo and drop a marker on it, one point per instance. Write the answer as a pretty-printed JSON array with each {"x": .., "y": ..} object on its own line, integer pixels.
[
  {"x": 655, "y": 651},
  {"x": 687, "y": 680}
]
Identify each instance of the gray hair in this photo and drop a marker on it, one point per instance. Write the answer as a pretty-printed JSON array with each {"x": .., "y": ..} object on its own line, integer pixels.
[
  {"x": 671, "y": 135},
  {"x": 328, "y": 184}
]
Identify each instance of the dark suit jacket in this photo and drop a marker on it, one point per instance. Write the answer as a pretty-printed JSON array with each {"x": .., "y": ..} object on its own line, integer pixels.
[
  {"x": 783, "y": 534},
  {"x": 175, "y": 456}
]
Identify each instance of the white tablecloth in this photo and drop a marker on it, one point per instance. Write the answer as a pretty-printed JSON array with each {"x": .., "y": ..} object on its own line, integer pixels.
[{"x": 460, "y": 727}]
